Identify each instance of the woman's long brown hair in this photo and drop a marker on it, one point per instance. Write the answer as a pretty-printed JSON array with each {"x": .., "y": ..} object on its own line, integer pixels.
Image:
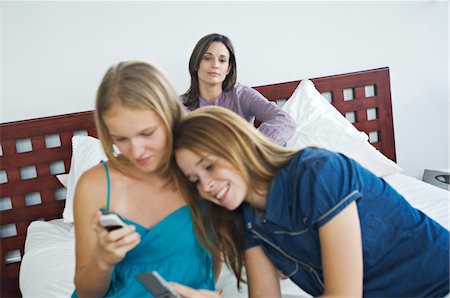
[
  {"x": 221, "y": 132},
  {"x": 191, "y": 96}
]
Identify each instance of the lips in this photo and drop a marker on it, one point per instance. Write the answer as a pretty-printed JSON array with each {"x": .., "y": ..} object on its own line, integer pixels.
[
  {"x": 213, "y": 73},
  {"x": 222, "y": 192},
  {"x": 143, "y": 161}
]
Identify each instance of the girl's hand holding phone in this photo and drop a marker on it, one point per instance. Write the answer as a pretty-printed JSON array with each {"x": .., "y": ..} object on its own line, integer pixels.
[{"x": 115, "y": 239}]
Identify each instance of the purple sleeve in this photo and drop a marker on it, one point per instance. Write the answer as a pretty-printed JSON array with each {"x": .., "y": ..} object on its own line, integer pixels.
[{"x": 276, "y": 124}]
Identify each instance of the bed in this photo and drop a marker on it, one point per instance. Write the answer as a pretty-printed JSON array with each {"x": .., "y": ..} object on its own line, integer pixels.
[{"x": 37, "y": 243}]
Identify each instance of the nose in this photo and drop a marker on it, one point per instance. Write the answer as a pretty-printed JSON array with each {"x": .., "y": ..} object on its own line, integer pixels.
[
  {"x": 207, "y": 183},
  {"x": 215, "y": 63},
  {"x": 136, "y": 149}
]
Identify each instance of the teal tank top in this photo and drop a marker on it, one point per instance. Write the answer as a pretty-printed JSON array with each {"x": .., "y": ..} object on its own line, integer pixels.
[{"x": 170, "y": 248}]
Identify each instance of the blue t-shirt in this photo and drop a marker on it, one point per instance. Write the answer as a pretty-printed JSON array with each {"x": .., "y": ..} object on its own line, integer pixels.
[{"x": 405, "y": 253}]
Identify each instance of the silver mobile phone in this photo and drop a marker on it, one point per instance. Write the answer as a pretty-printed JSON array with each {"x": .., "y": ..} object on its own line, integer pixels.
[
  {"x": 111, "y": 220},
  {"x": 157, "y": 285}
]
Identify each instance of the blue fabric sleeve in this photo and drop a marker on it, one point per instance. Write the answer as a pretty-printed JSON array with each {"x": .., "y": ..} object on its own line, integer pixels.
[
  {"x": 328, "y": 184},
  {"x": 249, "y": 240}
]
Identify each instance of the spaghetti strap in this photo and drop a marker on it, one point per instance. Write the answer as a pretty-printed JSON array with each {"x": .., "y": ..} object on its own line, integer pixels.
[{"x": 108, "y": 185}]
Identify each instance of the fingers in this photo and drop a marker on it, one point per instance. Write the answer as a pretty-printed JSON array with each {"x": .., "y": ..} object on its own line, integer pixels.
[
  {"x": 124, "y": 238},
  {"x": 125, "y": 234},
  {"x": 188, "y": 292},
  {"x": 114, "y": 245}
]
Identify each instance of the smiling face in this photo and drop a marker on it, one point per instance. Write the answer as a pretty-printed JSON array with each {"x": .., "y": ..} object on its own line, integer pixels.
[
  {"x": 214, "y": 65},
  {"x": 140, "y": 136},
  {"x": 215, "y": 178}
]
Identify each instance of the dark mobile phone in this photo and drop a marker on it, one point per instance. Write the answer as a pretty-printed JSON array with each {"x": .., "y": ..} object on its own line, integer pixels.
[{"x": 157, "y": 285}]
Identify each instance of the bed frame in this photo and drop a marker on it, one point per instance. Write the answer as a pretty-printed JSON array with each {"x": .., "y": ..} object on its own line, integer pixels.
[{"x": 30, "y": 190}]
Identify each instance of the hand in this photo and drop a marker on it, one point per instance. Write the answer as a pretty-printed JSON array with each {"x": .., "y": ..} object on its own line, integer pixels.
[
  {"x": 187, "y": 292},
  {"x": 114, "y": 245}
]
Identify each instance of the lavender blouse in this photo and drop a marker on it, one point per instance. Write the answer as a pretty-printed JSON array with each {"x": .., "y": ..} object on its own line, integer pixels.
[{"x": 276, "y": 124}]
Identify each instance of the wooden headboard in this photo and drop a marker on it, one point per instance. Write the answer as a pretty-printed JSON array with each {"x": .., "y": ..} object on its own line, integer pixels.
[
  {"x": 35, "y": 151},
  {"x": 364, "y": 97}
]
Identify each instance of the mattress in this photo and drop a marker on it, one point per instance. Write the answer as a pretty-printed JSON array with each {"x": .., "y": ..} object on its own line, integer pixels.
[{"x": 48, "y": 265}]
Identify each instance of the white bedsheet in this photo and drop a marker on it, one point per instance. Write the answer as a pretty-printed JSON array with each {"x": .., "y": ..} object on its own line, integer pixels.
[
  {"x": 48, "y": 264},
  {"x": 429, "y": 199}
]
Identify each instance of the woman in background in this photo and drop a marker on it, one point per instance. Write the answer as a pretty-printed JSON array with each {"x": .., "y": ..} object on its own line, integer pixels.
[
  {"x": 136, "y": 109},
  {"x": 333, "y": 227},
  {"x": 213, "y": 72}
]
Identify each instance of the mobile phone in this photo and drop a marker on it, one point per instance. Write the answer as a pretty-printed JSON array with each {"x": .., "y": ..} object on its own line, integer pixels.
[
  {"x": 157, "y": 285},
  {"x": 111, "y": 220}
]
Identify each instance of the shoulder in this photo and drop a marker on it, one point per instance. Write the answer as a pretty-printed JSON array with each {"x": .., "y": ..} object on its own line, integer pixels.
[
  {"x": 91, "y": 186},
  {"x": 248, "y": 96},
  {"x": 314, "y": 159},
  {"x": 318, "y": 167},
  {"x": 315, "y": 183},
  {"x": 241, "y": 89},
  {"x": 92, "y": 176}
]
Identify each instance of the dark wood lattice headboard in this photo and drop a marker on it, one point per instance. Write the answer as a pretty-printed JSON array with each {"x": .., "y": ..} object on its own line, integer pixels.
[
  {"x": 35, "y": 151},
  {"x": 364, "y": 97}
]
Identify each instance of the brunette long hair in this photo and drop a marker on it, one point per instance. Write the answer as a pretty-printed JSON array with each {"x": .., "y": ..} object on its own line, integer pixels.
[
  {"x": 190, "y": 98},
  {"x": 218, "y": 131}
]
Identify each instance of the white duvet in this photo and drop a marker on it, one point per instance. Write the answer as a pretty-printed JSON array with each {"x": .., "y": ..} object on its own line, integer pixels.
[{"x": 48, "y": 264}]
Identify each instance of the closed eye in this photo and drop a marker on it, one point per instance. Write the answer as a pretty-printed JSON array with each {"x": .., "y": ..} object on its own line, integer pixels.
[
  {"x": 147, "y": 133},
  {"x": 118, "y": 139}
]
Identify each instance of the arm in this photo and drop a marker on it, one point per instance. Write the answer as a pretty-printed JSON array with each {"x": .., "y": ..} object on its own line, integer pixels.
[
  {"x": 342, "y": 258},
  {"x": 262, "y": 275},
  {"x": 276, "y": 124},
  {"x": 97, "y": 251}
]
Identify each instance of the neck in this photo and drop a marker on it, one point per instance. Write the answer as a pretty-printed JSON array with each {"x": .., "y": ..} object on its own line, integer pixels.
[
  {"x": 134, "y": 173},
  {"x": 257, "y": 201},
  {"x": 210, "y": 92}
]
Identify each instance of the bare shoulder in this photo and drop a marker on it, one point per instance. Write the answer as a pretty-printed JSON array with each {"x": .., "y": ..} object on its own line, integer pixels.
[{"x": 92, "y": 186}]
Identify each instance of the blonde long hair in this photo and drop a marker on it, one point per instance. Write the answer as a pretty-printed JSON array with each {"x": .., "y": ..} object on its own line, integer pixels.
[
  {"x": 218, "y": 131},
  {"x": 138, "y": 85}
]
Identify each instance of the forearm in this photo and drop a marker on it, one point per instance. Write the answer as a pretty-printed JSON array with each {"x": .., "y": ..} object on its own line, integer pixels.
[
  {"x": 277, "y": 125},
  {"x": 262, "y": 276},
  {"x": 346, "y": 293},
  {"x": 279, "y": 129},
  {"x": 93, "y": 280},
  {"x": 260, "y": 291}
]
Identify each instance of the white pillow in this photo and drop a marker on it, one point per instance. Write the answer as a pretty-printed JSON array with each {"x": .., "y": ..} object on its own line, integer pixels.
[
  {"x": 86, "y": 153},
  {"x": 320, "y": 124}
]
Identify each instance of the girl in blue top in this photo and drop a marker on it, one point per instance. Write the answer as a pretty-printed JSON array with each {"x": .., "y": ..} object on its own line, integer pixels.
[
  {"x": 213, "y": 72},
  {"x": 136, "y": 109},
  {"x": 315, "y": 216}
]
